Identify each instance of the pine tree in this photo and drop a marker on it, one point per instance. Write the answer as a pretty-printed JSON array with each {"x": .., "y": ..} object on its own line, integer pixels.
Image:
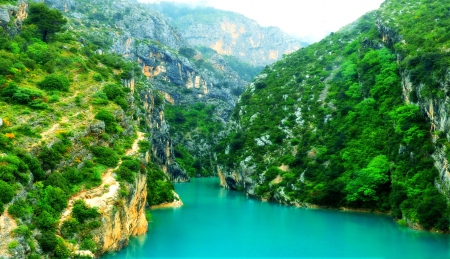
[{"x": 48, "y": 21}]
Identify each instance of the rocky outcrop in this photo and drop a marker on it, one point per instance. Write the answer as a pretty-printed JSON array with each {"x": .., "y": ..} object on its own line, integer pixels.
[
  {"x": 11, "y": 16},
  {"x": 122, "y": 218},
  {"x": 166, "y": 69},
  {"x": 240, "y": 37},
  {"x": 230, "y": 33},
  {"x": 161, "y": 148}
]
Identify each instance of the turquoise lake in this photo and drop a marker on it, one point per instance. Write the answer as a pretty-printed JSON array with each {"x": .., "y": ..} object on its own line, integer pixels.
[{"x": 218, "y": 223}]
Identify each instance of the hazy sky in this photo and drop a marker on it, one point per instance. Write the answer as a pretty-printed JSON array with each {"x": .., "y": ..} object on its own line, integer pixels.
[{"x": 308, "y": 19}]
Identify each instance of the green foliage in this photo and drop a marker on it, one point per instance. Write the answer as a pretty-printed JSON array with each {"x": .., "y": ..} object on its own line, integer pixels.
[
  {"x": 159, "y": 188},
  {"x": 337, "y": 105},
  {"x": 109, "y": 119},
  {"x": 69, "y": 228},
  {"x": 55, "y": 82},
  {"x": 81, "y": 212},
  {"x": 88, "y": 244},
  {"x": 363, "y": 187},
  {"x": 61, "y": 250},
  {"x": 144, "y": 146},
  {"x": 48, "y": 21},
  {"x": 198, "y": 120},
  {"x": 45, "y": 221},
  {"x": 20, "y": 209},
  {"x": 105, "y": 156},
  {"x": 48, "y": 241},
  {"x": 6, "y": 192}
]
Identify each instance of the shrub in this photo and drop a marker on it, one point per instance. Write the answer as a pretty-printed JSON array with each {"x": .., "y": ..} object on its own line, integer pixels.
[
  {"x": 20, "y": 208},
  {"x": 144, "y": 146},
  {"x": 49, "y": 158},
  {"x": 108, "y": 118},
  {"x": 45, "y": 221},
  {"x": 121, "y": 102},
  {"x": 82, "y": 212},
  {"x": 48, "y": 241},
  {"x": 13, "y": 244},
  {"x": 61, "y": 250},
  {"x": 106, "y": 156},
  {"x": 125, "y": 174},
  {"x": 113, "y": 91},
  {"x": 69, "y": 228},
  {"x": 55, "y": 82},
  {"x": 34, "y": 166},
  {"x": 23, "y": 230},
  {"x": 88, "y": 244},
  {"x": 133, "y": 165},
  {"x": 6, "y": 192},
  {"x": 57, "y": 179},
  {"x": 97, "y": 77}
]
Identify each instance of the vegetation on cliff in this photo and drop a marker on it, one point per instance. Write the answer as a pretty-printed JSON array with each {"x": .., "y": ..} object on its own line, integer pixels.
[
  {"x": 329, "y": 124},
  {"x": 65, "y": 119}
]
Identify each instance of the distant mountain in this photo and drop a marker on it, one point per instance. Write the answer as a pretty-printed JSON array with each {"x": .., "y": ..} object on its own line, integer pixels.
[{"x": 229, "y": 33}]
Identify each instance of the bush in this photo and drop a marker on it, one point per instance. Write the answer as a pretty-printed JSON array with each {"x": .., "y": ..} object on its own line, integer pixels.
[
  {"x": 49, "y": 158},
  {"x": 133, "y": 165},
  {"x": 88, "y": 244},
  {"x": 144, "y": 146},
  {"x": 113, "y": 91},
  {"x": 61, "y": 250},
  {"x": 69, "y": 228},
  {"x": 126, "y": 174},
  {"x": 45, "y": 221},
  {"x": 20, "y": 209},
  {"x": 55, "y": 82},
  {"x": 82, "y": 212},
  {"x": 106, "y": 156},
  {"x": 48, "y": 241},
  {"x": 6, "y": 192},
  {"x": 108, "y": 118}
]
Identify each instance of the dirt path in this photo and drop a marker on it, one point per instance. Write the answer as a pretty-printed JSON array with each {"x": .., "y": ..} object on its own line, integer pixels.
[
  {"x": 106, "y": 192},
  {"x": 51, "y": 131}
]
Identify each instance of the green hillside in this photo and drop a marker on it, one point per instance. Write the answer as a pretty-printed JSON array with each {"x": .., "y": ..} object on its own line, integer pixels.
[{"x": 334, "y": 125}]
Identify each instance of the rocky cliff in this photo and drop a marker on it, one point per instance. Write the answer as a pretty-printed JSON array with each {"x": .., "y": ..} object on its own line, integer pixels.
[
  {"x": 229, "y": 33},
  {"x": 161, "y": 148}
]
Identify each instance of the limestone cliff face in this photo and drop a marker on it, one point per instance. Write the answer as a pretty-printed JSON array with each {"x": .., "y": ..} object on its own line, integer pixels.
[
  {"x": 241, "y": 37},
  {"x": 230, "y": 33},
  {"x": 11, "y": 16},
  {"x": 166, "y": 69},
  {"x": 122, "y": 218},
  {"x": 161, "y": 148}
]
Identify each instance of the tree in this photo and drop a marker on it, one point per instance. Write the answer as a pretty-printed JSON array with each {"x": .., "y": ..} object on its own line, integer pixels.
[
  {"x": 48, "y": 21},
  {"x": 367, "y": 181}
]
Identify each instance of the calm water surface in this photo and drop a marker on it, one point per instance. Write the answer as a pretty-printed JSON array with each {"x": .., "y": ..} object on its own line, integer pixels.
[{"x": 217, "y": 223}]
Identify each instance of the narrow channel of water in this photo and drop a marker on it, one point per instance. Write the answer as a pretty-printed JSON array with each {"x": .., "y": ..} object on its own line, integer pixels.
[{"x": 217, "y": 223}]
